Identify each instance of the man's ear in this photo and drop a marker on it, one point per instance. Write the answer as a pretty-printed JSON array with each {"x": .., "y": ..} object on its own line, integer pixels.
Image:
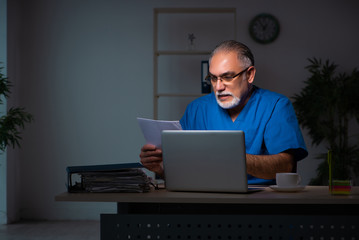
[{"x": 251, "y": 72}]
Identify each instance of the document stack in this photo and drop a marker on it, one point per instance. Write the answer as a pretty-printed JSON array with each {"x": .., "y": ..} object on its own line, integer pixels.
[{"x": 128, "y": 177}]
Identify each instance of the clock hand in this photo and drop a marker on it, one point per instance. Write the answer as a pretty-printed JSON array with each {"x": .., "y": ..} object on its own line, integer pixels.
[{"x": 264, "y": 25}]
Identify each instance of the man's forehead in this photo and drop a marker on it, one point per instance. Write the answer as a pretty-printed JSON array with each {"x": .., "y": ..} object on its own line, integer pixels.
[{"x": 224, "y": 59}]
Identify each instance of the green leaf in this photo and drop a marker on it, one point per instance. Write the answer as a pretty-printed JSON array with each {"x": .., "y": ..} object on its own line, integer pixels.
[
  {"x": 14, "y": 121},
  {"x": 326, "y": 104}
]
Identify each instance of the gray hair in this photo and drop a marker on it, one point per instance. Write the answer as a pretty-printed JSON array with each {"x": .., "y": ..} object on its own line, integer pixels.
[{"x": 245, "y": 55}]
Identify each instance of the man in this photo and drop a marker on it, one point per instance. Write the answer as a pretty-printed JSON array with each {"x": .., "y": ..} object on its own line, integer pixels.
[{"x": 274, "y": 142}]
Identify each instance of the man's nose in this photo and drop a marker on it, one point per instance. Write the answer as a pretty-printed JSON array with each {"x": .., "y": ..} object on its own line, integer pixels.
[{"x": 219, "y": 85}]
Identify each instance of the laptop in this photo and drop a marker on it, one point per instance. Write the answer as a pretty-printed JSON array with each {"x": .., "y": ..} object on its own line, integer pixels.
[{"x": 205, "y": 161}]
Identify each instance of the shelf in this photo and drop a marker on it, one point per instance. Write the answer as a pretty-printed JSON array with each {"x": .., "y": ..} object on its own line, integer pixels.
[
  {"x": 158, "y": 53},
  {"x": 179, "y": 95},
  {"x": 171, "y": 26},
  {"x": 195, "y": 10}
]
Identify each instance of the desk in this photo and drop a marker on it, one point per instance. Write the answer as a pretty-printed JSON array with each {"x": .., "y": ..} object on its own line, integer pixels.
[{"x": 310, "y": 214}]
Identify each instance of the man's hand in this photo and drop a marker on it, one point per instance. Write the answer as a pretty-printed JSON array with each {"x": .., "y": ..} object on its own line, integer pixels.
[{"x": 151, "y": 158}]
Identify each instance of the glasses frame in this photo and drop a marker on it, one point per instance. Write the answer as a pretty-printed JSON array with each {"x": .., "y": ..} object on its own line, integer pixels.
[{"x": 214, "y": 79}]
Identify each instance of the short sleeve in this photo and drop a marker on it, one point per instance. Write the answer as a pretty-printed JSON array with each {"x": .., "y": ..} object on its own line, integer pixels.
[{"x": 282, "y": 131}]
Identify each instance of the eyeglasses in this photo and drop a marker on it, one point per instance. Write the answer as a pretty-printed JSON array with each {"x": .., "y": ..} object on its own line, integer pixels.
[{"x": 225, "y": 77}]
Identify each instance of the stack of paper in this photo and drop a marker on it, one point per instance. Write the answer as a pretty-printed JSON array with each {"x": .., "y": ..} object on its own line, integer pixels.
[
  {"x": 108, "y": 178},
  {"x": 127, "y": 180}
]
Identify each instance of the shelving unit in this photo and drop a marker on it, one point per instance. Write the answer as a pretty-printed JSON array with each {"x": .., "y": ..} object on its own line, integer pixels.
[{"x": 170, "y": 25}]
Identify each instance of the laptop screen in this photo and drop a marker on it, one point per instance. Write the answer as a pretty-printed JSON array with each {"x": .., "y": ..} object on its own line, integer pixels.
[{"x": 208, "y": 161}]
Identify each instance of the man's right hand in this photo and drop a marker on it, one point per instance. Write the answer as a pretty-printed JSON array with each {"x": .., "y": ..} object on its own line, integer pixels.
[{"x": 151, "y": 158}]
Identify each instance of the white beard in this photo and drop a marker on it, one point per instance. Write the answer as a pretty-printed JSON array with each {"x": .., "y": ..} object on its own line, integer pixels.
[{"x": 234, "y": 103}]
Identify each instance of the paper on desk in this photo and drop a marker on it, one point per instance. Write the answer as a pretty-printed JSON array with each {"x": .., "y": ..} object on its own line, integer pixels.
[{"x": 152, "y": 129}]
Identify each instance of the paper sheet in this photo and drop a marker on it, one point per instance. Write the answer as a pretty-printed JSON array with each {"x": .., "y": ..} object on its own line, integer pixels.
[{"x": 152, "y": 129}]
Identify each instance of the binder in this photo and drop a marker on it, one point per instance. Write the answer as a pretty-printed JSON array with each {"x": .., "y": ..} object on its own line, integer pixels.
[{"x": 124, "y": 177}]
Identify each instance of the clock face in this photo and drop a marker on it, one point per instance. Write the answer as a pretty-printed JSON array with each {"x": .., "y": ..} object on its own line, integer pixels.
[{"x": 264, "y": 28}]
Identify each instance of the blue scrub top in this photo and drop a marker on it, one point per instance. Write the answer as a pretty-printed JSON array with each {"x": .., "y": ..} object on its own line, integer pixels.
[{"x": 268, "y": 121}]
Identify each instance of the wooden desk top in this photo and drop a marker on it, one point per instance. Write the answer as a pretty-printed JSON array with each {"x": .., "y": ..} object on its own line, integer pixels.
[{"x": 310, "y": 195}]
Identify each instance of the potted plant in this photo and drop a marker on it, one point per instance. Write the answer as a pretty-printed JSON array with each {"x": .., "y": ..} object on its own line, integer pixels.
[
  {"x": 328, "y": 106},
  {"x": 13, "y": 121}
]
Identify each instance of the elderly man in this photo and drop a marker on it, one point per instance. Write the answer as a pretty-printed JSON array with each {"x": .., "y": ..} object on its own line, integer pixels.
[{"x": 274, "y": 142}]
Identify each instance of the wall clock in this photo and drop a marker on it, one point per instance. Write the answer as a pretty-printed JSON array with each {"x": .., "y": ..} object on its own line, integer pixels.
[{"x": 264, "y": 28}]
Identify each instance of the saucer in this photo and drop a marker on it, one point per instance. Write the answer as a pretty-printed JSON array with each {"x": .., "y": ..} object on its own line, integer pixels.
[{"x": 287, "y": 189}]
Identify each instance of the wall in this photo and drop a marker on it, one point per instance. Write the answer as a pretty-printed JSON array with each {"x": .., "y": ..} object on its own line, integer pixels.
[
  {"x": 3, "y": 162},
  {"x": 84, "y": 70}
]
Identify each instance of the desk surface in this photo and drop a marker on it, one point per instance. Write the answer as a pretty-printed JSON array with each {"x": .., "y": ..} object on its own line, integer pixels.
[{"x": 310, "y": 195}]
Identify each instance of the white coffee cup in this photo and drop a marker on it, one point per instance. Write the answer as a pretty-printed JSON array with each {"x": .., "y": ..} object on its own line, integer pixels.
[{"x": 288, "y": 179}]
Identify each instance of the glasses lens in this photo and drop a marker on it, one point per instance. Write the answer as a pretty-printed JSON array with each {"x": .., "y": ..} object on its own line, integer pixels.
[
  {"x": 211, "y": 78},
  {"x": 227, "y": 78}
]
